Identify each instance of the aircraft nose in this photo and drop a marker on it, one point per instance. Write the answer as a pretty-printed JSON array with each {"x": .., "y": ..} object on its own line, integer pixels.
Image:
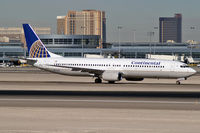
[{"x": 192, "y": 71}]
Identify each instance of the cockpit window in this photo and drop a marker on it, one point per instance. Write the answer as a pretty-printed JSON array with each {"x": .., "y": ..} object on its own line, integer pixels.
[{"x": 184, "y": 66}]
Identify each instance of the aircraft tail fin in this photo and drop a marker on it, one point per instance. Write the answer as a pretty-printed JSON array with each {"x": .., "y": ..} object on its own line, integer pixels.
[{"x": 36, "y": 48}]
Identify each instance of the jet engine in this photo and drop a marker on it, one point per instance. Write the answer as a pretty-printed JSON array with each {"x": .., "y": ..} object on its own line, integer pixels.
[{"x": 111, "y": 76}]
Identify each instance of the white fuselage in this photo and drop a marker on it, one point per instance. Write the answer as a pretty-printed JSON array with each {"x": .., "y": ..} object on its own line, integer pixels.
[{"x": 130, "y": 68}]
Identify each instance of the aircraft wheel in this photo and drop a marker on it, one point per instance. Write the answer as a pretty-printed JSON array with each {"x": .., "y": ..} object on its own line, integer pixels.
[
  {"x": 98, "y": 80},
  {"x": 111, "y": 82},
  {"x": 178, "y": 82}
]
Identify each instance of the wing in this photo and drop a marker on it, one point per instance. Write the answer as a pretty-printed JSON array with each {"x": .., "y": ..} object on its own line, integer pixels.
[{"x": 82, "y": 69}]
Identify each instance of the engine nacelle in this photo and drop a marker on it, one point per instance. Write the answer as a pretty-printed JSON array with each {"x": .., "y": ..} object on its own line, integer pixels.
[
  {"x": 134, "y": 79},
  {"x": 111, "y": 76}
]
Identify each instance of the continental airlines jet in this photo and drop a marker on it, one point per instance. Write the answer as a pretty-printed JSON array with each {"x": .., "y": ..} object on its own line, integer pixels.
[{"x": 110, "y": 70}]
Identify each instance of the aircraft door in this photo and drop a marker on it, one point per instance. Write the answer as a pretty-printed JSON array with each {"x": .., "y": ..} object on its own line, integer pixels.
[{"x": 172, "y": 67}]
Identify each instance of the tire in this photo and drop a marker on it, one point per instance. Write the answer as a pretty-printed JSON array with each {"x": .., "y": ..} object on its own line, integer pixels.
[
  {"x": 111, "y": 82},
  {"x": 98, "y": 80},
  {"x": 178, "y": 82}
]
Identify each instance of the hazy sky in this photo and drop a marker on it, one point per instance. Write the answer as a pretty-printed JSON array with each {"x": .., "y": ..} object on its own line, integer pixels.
[{"x": 141, "y": 15}]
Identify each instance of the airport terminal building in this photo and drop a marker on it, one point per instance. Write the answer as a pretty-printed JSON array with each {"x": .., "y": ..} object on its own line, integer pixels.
[
  {"x": 70, "y": 41},
  {"x": 74, "y": 45}
]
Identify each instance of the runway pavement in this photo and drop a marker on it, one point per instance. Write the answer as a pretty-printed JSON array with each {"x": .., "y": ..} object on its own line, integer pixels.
[
  {"x": 49, "y": 81},
  {"x": 113, "y": 102},
  {"x": 95, "y": 114},
  {"x": 34, "y": 102}
]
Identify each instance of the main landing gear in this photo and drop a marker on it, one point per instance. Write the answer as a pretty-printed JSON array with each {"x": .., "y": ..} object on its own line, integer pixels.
[
  {"x": 111, "y": 82},
  {"x": 178, "y": 82},
  {"x": 98, "y": 80}
]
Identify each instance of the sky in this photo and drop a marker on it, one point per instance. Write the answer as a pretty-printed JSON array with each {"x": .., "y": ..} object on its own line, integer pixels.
[{"x": 140, "y": 16}]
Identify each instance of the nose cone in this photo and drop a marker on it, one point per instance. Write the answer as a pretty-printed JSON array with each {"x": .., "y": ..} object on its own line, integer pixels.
[{"x": 192, "y": 71}]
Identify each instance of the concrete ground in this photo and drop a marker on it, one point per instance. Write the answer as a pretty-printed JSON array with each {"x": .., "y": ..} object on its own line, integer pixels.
[
  {"x": 49, "y": 81},
  {"x": 157, "y": 116},
  {"x": 92, "y": 120}
]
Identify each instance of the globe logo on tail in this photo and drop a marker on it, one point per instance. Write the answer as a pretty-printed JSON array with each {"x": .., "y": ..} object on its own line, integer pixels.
[{"x": 38, "y": 50}]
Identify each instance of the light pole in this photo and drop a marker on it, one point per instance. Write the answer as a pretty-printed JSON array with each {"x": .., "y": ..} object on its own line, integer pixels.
[
  {"x": 119, "y": 28},
  {"x": 134, "y": 35},
  {"x": 191, "y": 49},
  {"x": 192, "y": 28},
  {"x": 156, "y": 33},
  {"x": 82, "y": 28},
  {"x": 150, "y": 34},
  {"x": 155, "y": 28}
]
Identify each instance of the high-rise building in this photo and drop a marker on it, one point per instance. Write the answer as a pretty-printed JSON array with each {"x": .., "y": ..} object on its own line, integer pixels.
[
  {"x": 170, "y": 28},
  {"x": 86, "y": 22},
  {"x": 61, "y": 20}
]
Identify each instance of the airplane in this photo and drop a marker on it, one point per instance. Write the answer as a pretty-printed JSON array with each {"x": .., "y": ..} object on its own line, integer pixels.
[{"x": 107, "y": 69}]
